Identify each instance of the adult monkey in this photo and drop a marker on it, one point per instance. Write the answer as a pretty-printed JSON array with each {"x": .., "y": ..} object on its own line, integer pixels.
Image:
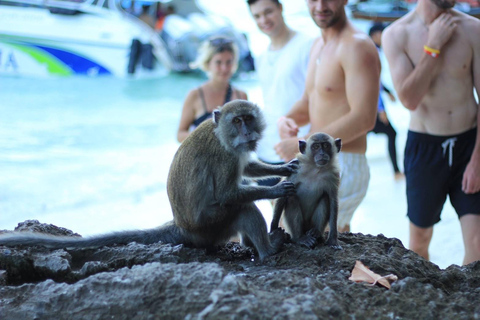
[
  {"x": 434, "y": 58},
  {"x": 205, "y": 187},
  {"x": 315, "y": 203},
  {"x": 209, "y": 202}
]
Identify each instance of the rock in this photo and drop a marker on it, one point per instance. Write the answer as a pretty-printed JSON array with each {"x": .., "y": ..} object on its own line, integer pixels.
[
  {"x": 35, "y": 226},
  {"x": 163, "y": 281}
]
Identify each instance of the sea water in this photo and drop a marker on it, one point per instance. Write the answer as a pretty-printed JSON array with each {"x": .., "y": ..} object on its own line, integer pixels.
[{"x": 92, "y": 154}]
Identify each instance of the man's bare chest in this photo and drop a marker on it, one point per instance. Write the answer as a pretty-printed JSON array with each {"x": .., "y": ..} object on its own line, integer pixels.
[
  {"x": 329, "y": 77},
  {"x": 455, "y": 56}
]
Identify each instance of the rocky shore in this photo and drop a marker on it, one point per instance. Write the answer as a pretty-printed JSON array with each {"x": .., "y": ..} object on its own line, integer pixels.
[{"x": 161, "y": 281}]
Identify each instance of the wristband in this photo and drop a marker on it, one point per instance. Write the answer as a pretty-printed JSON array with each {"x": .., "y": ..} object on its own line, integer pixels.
[{"x": 431, "y": 52}]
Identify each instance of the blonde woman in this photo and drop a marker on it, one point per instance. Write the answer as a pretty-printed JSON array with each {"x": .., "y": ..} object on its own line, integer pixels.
[{"x": 218, "y": 58}]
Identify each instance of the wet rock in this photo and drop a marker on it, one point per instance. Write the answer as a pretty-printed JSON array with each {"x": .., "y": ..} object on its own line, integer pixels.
[{"x": 138, "y": 281}]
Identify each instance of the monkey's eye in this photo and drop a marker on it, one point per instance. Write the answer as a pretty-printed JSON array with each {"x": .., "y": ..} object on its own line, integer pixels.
[
  {"x": 248, "y": 117},
  {"x": 236, "y": 120},
  {"x": 315, "y": 146},
  {"x": 326, "y": 146}
]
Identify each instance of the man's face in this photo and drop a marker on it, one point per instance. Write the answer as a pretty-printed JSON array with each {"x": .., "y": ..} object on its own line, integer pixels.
[
  {"x": 326, "y": 13},
  {"x": 444, "y": 4},
  {"x": 268, "y": 16}
]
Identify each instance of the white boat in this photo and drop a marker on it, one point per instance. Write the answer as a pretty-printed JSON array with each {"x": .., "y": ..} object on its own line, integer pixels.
[{"x": 78, "y": 37}]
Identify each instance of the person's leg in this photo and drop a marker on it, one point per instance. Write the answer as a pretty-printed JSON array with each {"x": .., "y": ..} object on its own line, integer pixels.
[
  {"x": 470, "y": 224},
  {"x": 391, "y": 134},
  {"x": 392, "y": 147},
  {"x": 467, "y": 206},
  {"x": 420, "y": 240}
]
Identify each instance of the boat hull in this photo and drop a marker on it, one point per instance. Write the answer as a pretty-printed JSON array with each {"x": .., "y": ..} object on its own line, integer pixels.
[{"x": 36, "y": 42}]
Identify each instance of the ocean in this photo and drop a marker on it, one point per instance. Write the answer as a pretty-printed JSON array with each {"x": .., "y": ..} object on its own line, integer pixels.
[{"x": 92, "y": 154}]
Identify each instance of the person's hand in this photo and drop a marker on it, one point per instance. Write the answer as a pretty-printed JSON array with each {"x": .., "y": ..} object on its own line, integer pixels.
[
  {"x": 287, "y": 148},
  {"x": 471, "y": 178},
  {"x": 440, "y": 30},
  {"x": 383, "y": 117},
  {"x": 287, "y": 128}
]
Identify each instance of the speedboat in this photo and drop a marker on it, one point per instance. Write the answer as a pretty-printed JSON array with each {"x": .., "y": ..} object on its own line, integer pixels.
[{"x": 77, "y": 37}]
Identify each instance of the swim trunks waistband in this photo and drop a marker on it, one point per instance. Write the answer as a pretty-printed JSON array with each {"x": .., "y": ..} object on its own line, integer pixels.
[{"x": 425, "y": 137}]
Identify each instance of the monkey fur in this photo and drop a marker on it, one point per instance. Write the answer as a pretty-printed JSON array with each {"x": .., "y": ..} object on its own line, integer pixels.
[
  {"x": 306, "y": 213},
  {"x": 209, "y": 202}
]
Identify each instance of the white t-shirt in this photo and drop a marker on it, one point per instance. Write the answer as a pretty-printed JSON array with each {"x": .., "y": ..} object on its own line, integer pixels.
[{"x": 282, "y": 76}]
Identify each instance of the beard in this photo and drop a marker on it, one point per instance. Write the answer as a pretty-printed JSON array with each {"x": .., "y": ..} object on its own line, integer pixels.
[
  {"x": 444, "y": 4},
  {"x": 325, "y": 24}
]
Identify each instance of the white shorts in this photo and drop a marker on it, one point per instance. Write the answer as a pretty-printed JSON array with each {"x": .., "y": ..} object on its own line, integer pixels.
[{"x": 354, "y": 178}]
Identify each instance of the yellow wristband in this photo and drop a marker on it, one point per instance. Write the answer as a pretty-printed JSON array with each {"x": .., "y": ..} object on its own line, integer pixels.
[{"x": 431, "y": 52}]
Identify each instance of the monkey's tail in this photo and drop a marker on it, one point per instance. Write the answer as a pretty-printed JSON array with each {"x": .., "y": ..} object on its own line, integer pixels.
[{"x": 167, "y": 233}]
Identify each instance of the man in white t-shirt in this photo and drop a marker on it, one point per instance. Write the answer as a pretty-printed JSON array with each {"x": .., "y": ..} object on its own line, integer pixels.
[{"x": 282, "y": 70}]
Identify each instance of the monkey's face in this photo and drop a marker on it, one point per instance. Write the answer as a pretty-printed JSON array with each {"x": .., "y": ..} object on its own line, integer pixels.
[
  {"x": 245, "y": 132},
  {"x": 239, "y": 125},
  {"x": 322, "y": 152},
  {"x": 321, "y": 148}
]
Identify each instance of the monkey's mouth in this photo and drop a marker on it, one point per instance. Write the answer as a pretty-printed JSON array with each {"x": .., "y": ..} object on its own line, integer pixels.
[{"x": 321, "y": 161}]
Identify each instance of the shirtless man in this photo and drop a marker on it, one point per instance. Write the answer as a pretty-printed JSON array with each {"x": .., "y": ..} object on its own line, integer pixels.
[
  {"x": 434, "y": 58},
  {"x": 340, "y": 98}
]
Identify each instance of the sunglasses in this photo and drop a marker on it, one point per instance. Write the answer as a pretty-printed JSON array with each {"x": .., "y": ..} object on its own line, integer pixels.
[{"x": 218, "y": 42}]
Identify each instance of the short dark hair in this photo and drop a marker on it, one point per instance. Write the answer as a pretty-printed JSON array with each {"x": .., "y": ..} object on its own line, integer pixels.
[
  {"x": 250, "y": 2},
  {"x": 376, "y": 27}
]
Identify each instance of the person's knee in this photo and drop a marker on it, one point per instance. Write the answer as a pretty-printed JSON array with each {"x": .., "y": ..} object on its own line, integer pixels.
[{"x": 420, "y": 239}]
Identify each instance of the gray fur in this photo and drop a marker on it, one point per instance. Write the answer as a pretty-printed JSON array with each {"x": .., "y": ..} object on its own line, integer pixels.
[
  {"x": 315, "y": 203},
  {"x": 205, "y": 182}
]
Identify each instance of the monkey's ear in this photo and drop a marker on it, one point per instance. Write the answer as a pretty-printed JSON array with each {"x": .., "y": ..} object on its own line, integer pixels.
[
  {"x": 216, "y": 116},
  {"x": 338, "y": 144},
  {"x": 302, "y": 145}
]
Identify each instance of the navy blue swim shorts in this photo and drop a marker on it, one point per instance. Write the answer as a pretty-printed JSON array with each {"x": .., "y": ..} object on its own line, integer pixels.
[{"x": 434, "y": 167}]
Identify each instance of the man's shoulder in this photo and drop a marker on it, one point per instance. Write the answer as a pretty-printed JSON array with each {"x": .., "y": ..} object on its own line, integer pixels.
[
  {"x": 471, "y": 23},
  {"x": 400, "y": 25},
  {"x": 357, "y": 41},
  {"x": 397, "y": 33}
]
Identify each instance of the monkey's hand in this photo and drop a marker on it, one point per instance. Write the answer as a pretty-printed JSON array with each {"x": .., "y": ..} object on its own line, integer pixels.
[
  {"x": 290, "y": 168},
  {"x": 283, "y": 189}
]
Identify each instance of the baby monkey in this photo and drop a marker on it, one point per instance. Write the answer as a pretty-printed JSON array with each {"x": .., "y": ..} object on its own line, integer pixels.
[{"x": 306, "y": 213}]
